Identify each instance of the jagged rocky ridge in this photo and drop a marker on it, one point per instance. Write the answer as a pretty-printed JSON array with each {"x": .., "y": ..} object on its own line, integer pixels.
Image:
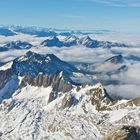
[
  {"x": 71, "y": 38},
  {"x": 47, "y": 104},
  {"x": 6, "y": 32},
  {"x": 19, "y": 45},
  {"x": 75, "y": 41},
  {"x": 40, "y": 70},
  {"x": 115, "y": 59},
  {"x": 44, "y": 32}
]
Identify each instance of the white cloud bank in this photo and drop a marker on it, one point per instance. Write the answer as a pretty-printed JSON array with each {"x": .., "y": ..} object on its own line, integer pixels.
[
  {"x": 127, "y": 38},
  {"x": 129, "y": 81},
  {"x": 126, "y": 91}
]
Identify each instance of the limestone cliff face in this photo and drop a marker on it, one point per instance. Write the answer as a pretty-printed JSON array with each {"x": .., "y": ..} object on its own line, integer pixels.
[
  {"x": 56, "y": 82},
  {"x": 101, "y": 99},
  {"x": 4, "y": 77},
  {"x": 95, "y": 96},
  {"x": 68, "y": 101}
]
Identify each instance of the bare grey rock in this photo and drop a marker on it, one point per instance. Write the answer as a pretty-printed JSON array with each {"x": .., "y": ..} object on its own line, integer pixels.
[
  {"x": 4, "y": 77},
  {"x": 67, "y": 101},
  {"x": 101, "y": 99},
  {"x": 52, "y": 96},
  {"x": 57, "y": 82},
  {"x": 124, "y": 133}
]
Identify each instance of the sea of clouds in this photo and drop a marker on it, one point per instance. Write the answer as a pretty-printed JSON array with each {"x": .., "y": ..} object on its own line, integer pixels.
[{"x": 128, "y": 85}]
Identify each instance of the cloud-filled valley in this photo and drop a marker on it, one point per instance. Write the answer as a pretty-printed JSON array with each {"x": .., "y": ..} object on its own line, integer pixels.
[{"x": 123, "y": 84}]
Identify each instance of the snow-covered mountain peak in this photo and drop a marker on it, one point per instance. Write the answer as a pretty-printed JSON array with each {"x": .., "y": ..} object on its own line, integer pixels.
[
  {"x": 54, "y": 41},
  {"x": 34, "y": 56},
  {"x": 18, "y": 45},
  {"x": 88, "y": 42},
  {"x": 115, "y": 59},
  {"x": 86, "y": 38},
  {"x": 94, "y": 96},
  {"x": 40, "y": 70},
  {"x": 6, "y": 32},
  {"x": 71, "y": 38},
  {"x": 34, "y": 63}
]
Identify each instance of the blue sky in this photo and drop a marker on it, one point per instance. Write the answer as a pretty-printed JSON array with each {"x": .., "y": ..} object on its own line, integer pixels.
[{"x": 119, "y": 15}]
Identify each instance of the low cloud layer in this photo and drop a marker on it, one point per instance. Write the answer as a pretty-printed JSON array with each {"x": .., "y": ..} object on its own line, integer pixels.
[
  {"x": 126, "y": 91},
  {"x": 128, "y": 81},
  {"x": 127, "y": 38}
]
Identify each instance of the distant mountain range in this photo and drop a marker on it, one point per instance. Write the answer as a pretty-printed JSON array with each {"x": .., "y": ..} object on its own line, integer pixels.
[
  {"x": 6, "y": 32},
  {"x": 84, "y": 41},
  {"x": 15, "y": 45},
  {"x": 72, "y": 38},
  {"x": 39, "y": 31},
  {"x": 18, "y": 45},
  {"x": 67, "y": 42}
]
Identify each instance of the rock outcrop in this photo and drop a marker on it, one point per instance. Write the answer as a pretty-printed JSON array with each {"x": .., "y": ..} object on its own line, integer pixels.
[
  {"x": 68, "y": 101},
  {"x": 124, "y": 133},
  {"x": 56, "y": 82},
  {"x": 52, "y": 42},
  {"x": 115, "y": 59},
  {"x": 18, "y": 45},
  {"x": 4, "y": 77},
  {"x": 101, "y": 99}
]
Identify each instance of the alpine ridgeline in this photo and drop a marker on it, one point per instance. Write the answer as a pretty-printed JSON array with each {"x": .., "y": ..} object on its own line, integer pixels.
[{"x": 45, "y": 98}]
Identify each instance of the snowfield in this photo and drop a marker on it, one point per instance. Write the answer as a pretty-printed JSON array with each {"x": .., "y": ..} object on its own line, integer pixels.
[{"x": 29, "y": 116}]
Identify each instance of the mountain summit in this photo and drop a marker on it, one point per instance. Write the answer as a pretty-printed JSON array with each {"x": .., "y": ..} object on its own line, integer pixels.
[{"x": 33, "y": 63}]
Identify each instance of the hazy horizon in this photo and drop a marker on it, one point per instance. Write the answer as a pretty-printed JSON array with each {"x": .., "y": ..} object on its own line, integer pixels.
[{"x": 73, "y": 14}]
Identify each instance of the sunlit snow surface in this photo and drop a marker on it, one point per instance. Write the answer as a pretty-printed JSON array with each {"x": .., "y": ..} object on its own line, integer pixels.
[
  {"x": 6, "y": 66},
  {"x": 28, "y": 116}
]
